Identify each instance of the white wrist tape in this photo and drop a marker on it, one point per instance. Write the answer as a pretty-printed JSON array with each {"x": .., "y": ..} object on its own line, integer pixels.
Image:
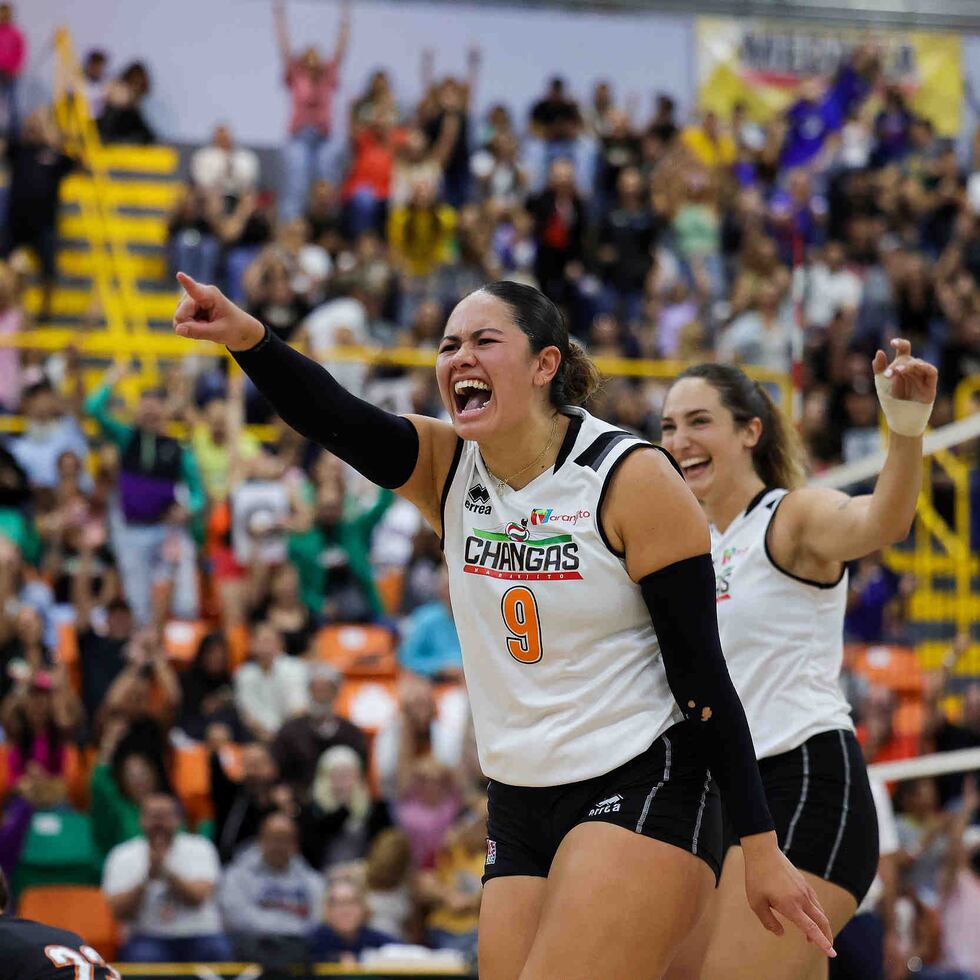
[{"x": 907, "y": 418}]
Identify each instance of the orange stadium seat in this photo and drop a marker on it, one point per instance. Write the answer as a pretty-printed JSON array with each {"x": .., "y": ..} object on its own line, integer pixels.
[
  {"x": 358, "y": 651},
  {"x": 181, "y": 640},
  {"x": 238, "y": 640},
  {"x": 66, "y": 652},
  {"x": 391, "y": 585},
  {"x": 78, "y": 770},
  {"x": 80, "y": 908},
  {"x": 893, "y": 667},
  {"x": 191, "y": 775},
  {"x": 369, "y": 704}
]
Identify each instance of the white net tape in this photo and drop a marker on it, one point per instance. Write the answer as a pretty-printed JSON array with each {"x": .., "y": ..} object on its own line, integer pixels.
[{"x": 923, "y": 766}]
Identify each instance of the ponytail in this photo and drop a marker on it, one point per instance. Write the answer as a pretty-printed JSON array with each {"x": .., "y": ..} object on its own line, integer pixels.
[
  {"x": 778, "y": 455},
  {"x": 577, "y": 378}
]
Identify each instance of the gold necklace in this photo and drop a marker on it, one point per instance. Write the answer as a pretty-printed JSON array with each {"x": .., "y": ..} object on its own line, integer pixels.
[{"x": 503, "y": 483}]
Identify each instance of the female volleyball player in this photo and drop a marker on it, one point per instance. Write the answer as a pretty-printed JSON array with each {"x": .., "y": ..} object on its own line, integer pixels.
[
  {"x": 779, "y": 554},
  {"x": 585, "y": 607}
]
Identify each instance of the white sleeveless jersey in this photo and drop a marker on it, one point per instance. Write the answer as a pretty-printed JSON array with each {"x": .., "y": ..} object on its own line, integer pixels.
[
  {"x": 561, "y": 659},
  {"x": 782, "y": 635}
]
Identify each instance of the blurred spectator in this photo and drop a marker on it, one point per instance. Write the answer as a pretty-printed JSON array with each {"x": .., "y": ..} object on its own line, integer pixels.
[
  {"x": 664, "y": 123},
  {"x": 415, "y": 732},
  {"x": 430, "y": 646},
  {"x": 271, "y": 899},
  {"x": 153, "y": 546},
  {"x": 761, "y": 336},
  {"x": 312, "y": 82},
  {"x": 923, "y": 830},
  {"x": 207, "y": 691},
  {"x": 271, "y": 687},
  {"x": 501, "y": 179},
  {"x": 422, "y": 571},
  {"x": 873, "y": 590},
  {"x": 242, "y": 232},
  {"x": 939, "y": 731},
  {"x": 122, "y": 119},
  {"x": 241, "y": 807},
  {"x": 50, "y": 432},
  {"x": 427, "y": 807},
  {"x": 877, "y": 734},
  {"x": 192, "y": 242},
  {"x": 24, "y": 650},
  {"x": 959, "y": 908},
  {"x": 391, "y": 890},
  {"x": 344, "y": 934},
  {"x": 710, "y": 144},
  {"x": 559, "y": 229},
  {"x": 555, "y": 117},
  {"x": 366, "y": 190},
  {"x": 831, "y": 287},
  {"x": 13, "y": 53},
  {"x": 284, "y": 608},
  {"x": 38, "y": 164},
  {"x": 225, "y": 168},
  {"x": 162, "y": 887},
  {"x": 11, "y": 323},
  {"x": 891, "y": 128},
  {"x": 272, "y": 297},
  {"x": 39, "y": 718},
  {"x": 121, "y": 782},
  {"x": 301, "y": 742},
  {"x": 454, "y": 889},
  {"x": 94, "y": 81},
  {"x": 342, "y": 820}
]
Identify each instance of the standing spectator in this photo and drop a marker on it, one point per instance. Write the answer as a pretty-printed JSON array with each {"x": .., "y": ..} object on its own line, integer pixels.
[
  {"x": 207, "y": 694},
  {"x": 559, "y": 225},
  {"x": 891, "y": 129},
  {"x": 122, "y": 119},
  {"x": 162, "y": 886},
  {"x": 153, "y": 545},
  {"x": 225, "y": 168},
  {"x": 344, "y": 934},
  {"x": 431, "y": 646},
  {"x": 13, "y": 52},
  {"x": 94, "y": 81},
  {"x": 959, "y": 908},
  {"x": 271, "y": 899},
  {"x": 368, "y": 184},
  {"x": 555, "y": 117},
  {"x": 50, "y": 432},
  {"x": 619, "y": 148},
  {"x": 342, "y": 820},
  {"x": 761, "y": 336},
  {"x": 241, "y": 806},
  {"x": 414, "y": 733},
  {"x": 271, "y": 687},
  {"x": 427, "y": 807},
  {"x": 192, "y": 240},
  {"x": 38, "y": 164},
  {"x": 243, "y": 232},
  {"x": 710, "y": 144},
  {"x": 312, "y": 82},
  {"x": 302, "y": 741}
]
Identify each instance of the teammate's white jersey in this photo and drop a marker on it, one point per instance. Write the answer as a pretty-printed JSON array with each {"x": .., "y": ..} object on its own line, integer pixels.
[
  {"x": 562, "y": 662},
  {"x": 782, "y": 635}
]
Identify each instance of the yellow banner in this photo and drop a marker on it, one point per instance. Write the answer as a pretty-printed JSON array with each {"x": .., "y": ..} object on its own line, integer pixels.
[{"x": 763, "y": 64}]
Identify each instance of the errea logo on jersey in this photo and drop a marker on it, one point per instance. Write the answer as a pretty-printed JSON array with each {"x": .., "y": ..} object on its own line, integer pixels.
[
  {"x": 547, "y": 515},
  {"x": 478, "y": 499},
  {"x": 611, "y": 805}
]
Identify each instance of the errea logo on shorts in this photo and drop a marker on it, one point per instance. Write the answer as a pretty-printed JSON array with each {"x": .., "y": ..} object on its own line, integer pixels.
[
  {"x": 547, "y": 515},
  {"x": 611, "y": 805},
  {"x": 491, "y": 851}
]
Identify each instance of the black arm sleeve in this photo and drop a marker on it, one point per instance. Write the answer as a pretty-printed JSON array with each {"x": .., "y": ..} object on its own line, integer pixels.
[
  {"x": 681, "y": 600},
  {"x": 381, "y": 446}
]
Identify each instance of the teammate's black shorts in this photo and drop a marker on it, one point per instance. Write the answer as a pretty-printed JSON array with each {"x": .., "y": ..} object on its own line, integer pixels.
[
  {"x": 665, "y": 793},
  {"x": 821, "y": 802}
]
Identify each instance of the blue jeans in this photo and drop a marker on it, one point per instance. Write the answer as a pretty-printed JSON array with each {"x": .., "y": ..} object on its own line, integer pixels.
[
  {"x": 186, "y": 949},
  {"x": 462, "y": 942},
  {"x": 142, "y": 562},
  {"x": 195, "y": 254},
  {"x": 237, "y": 261},
  {"x": 364, "y": 211},
  {"x": 306, "y": 159}
]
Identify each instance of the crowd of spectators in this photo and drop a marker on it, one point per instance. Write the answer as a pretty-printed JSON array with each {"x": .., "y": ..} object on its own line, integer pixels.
[{"x": 660, "y": 237}]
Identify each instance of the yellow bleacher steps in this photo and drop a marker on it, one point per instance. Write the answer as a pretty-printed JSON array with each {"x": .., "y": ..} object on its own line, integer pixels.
[
  {"x": 148, "y": 230},
  {"x": 140, "y": 159},
  {"x": 79, "y": 264},
  {"x": 151, "y": 194},
  {"x": 932, "y": 653},
  {"x": 79, "y": 302},
  {"x": 930, "y": 606}
]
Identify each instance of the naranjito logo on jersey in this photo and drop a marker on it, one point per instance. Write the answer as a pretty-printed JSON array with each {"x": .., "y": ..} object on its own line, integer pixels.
[
  {"x": 477, "y": 499},
  {"x": 547, "y": 515},
  {"x": 723, "y": 573},
  {"x": 514, "y": 554}
]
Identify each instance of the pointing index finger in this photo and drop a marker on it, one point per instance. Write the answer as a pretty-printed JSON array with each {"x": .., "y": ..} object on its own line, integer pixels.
[{"x": 193, "y": 288}]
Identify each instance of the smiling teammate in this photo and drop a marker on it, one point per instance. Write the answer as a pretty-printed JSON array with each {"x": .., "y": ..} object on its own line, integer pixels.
[
  {"x": 584, "y": 601},
  {"x": 779, "y": 555}
]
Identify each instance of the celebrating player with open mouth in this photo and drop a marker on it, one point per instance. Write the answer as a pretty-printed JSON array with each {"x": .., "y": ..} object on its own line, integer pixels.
[
  {"x": 779, "y": 556},
  {"x": 584, "y": 595}
]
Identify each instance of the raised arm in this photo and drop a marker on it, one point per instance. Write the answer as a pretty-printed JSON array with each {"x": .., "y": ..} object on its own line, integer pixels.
[
  {"x": 282, "y": 33},
  {"x": 830, "y": 526},
  {"x": 676, "y": 577},
  {"x": 343, "y": 36},
  {"x": 409, "y": 454}
]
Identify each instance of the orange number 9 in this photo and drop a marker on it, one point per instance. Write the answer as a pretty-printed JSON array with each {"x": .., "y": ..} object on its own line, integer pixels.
[{"x": 520, "y": 612}]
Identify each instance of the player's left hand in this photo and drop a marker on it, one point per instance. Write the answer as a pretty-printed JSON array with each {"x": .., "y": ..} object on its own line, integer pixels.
[
  {"x": 773, "y": 885},
  {"x": 912, "y": 379}
]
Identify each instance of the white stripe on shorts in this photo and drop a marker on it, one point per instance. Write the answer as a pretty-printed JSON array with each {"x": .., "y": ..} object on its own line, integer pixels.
[
  {"x": 697, "y": 825},
  {"x": 846, "y": 806},
  {"x": 799, "y": 806},
  {"x": 655, "y": 790}
]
